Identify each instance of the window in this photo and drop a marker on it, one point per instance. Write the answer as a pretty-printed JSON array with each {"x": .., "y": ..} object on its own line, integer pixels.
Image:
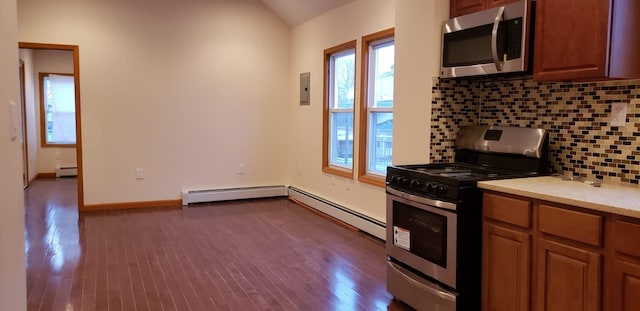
[
  {"x": 376, "y": 106},
  {"x": 57, "y": 110},
  {"x": 339, "y": 99}
]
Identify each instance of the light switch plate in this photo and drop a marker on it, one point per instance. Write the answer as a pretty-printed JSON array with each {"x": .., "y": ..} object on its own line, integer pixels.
[{"x": 618, "y": 114}]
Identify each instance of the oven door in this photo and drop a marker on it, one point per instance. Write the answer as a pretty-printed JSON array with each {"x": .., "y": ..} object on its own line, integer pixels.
[{"x": 421, "y": 233}]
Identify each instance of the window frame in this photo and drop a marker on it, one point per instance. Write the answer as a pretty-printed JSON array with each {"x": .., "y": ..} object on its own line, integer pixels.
[
  {"x": 327, "y": 167},
  {"x": 43, "y": 126},
  {"x": 363, "y": 142}
]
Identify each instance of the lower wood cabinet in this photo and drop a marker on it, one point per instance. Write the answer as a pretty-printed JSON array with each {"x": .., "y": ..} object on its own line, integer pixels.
[
  {"x": 568, "y": 278},
  {"x": 506, "y": 268},
  {"x": 542, "y": 256},
  {"x": 625, "y": 281},
  {"x": 625, "y": 286}
]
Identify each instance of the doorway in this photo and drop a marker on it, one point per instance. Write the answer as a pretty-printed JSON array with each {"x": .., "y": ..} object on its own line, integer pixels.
[{"x": 74, "y": 49}]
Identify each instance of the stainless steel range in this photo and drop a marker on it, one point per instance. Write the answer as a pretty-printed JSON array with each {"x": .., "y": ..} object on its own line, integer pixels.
[{"x": 434, "y": 215}]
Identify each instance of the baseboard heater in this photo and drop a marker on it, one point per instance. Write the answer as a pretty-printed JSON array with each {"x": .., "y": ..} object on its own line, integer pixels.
[
  {"x": 67, "y": 171},
  {"x": 214, "y": 195},
  {"x": 351, "y": 217}
]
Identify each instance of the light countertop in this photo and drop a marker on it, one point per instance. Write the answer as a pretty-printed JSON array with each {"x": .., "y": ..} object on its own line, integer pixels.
[{"x": 616, "y": 199}]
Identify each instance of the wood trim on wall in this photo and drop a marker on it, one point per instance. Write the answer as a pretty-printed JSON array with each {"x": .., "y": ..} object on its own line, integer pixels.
[
  {"x": 46, "y": 175},
  {"x": 25, "y": 141},
  {"x": 43, "y": 129},
  {"x": 131, "y": 205},
  {"x": 76, "y": 75}
]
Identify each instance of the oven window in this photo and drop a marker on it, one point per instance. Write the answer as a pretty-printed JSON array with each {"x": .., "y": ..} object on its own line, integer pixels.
[{"x": 420, "y": 232}]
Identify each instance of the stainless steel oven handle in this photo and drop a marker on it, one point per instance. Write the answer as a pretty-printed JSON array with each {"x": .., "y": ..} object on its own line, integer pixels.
[
  {"x": 426, "y": 287},
  {"x": 427, "y": 201},
  {"x": 494, "y": 39}
]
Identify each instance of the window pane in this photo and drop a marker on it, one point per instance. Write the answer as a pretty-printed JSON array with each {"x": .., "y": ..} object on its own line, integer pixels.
[
  {"x": 60, "y": 115},
  {"x": 380, "y": 140},
  {"x": 383, "y": 71},
  {"x": 341, "y": 139},
  {"x": 380, "y": 105},
  {"x": 344, "y": 80}
]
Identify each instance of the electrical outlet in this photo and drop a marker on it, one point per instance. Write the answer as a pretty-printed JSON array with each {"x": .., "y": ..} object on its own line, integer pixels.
[
  {"x": 618, "y": 114},
  {"x": 139, "y": 174},
  {"x": 241, "y": 169}
]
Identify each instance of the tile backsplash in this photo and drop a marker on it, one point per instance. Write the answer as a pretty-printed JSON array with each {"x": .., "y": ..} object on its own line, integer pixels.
[{"x": 577, "y": 115}]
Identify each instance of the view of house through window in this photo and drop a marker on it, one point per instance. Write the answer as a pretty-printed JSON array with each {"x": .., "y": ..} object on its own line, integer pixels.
[
  {"x": 380, "y": 105},
  {"x": 340, "y": 98},
  {"x": 58, "y": 116},
  {"x": 376, "y": 107}
]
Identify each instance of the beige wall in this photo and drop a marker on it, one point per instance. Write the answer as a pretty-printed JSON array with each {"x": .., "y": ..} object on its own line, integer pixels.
[
  {"x": 186, "y": 90},
  {"x": 417, "y": 25},
  {"x": 12, "y": 259},
  {"x": 309, "y": 40},
  {"x": 49, "y": 158},
  {"x": 31, "y": 109},
  {"x": 190, "y": 92}
]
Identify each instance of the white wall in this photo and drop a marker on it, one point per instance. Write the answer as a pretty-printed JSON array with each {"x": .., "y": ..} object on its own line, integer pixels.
[
  {"x": 186, "y": 90},
  {"x": 417, "y": 27},
  {"x": 418, "y": 36},
  {"x": 309, "y": 40},
  {"x": 33, "y": 144},
  {"x": 50, "y": 61},
  {"x": 13, "y": 288},
  {"x": 189, "y": 90}
]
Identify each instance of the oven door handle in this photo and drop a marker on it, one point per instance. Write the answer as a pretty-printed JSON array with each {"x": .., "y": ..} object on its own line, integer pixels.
[
  {"x": 426, "y": 287},
  {"x": 427, "y": 201}
]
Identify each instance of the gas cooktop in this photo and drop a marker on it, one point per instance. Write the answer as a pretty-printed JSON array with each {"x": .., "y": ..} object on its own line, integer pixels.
[
  {"x": 445, "y": 179},
  {"x": 461, "y": 171}
]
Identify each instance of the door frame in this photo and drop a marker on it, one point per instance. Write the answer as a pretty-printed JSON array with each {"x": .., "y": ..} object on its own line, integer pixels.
[
  {"x": 23, "y": 115},
  {"x": 76, "y": 75}
]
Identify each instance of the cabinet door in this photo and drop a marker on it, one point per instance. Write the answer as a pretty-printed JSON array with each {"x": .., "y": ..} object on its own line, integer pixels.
[
  {"x": 496, "y": 3},
  {"x": 571, "y": 39},
  {"x": 626, "y": 286},
  {"x": 506, "y": 262},
  {"x": 462, "y": 7},
  {"x": 568, "y": 278},
  {"x": 624, "y": 291}
]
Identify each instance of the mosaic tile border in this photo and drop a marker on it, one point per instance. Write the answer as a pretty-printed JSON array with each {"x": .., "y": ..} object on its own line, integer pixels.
[{"x": 576, "y": 114}]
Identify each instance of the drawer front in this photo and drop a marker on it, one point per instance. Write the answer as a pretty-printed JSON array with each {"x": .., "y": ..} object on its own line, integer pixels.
[
  {"x": 626, "y": 238},
  {"x": 505, "y": 209},
  {"x": 577, "y": 226}
]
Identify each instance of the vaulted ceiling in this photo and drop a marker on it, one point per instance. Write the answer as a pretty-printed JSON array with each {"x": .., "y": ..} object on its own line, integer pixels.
[{"x": 295, "y": 12}]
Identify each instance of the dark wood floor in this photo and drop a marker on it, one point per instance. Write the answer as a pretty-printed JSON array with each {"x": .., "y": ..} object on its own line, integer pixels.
[{"x": 266, "y": 254}]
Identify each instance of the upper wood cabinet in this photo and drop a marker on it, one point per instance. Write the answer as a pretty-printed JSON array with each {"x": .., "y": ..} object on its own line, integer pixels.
[
  {"x": 586, "y": 39},
  {"x": 463, "y": 7}
]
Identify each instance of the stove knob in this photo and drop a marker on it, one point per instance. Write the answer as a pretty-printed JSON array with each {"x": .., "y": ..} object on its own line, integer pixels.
[
  {"x": 417, "y": 183},
  {"x": 403, "y": 180},
  {"x": 394, "y": 179},
  {"x": 431, "y": 188},
  {"x": 441, "y": 189}
]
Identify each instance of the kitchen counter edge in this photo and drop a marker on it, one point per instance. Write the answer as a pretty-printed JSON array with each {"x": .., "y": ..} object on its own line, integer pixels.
[{"x": 616, "y": 199}]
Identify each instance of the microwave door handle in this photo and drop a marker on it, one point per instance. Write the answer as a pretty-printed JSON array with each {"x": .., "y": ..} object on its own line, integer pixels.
[{"x": 494, "y": 39}]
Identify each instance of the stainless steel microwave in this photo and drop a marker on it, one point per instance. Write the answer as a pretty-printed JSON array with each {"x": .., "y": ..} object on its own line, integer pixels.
[{"x": 492, "y": 41}]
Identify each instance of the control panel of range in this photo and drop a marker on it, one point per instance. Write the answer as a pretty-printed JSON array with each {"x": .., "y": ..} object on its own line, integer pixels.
[{"x": 418, "y": 184}]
